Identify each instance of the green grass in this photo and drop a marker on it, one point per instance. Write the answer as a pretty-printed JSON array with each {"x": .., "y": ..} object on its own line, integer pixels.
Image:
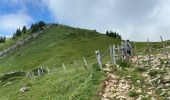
[
  {"x": 58, "y": 86},
  {"x": 54, "y": 47},
  {"x": 133, "y": 94}
]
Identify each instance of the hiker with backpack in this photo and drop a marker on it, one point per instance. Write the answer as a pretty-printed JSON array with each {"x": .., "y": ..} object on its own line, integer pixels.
[{"x": 127, "y": 50}]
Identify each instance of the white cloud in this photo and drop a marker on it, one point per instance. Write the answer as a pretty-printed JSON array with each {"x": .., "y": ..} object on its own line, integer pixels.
[
  {"x": 10, "y": 22},
  {"x": 134, "y": 19}
]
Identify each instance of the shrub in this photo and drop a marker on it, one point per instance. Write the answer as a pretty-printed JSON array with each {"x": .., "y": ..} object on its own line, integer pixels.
[
  {"x": 2, "y": 39},
  {"x": 133, "y": 94},
  {"x": 41, "y": 24},
  {"x": 11, "y": 75},
  {"x": 153, "y": 73},
  {"x": 28, "y": 83},
  {"x": 18, "y": 32},
  {"x": 113, "y": 34},
  {"x": 96, "y": 67},
  {"x": 140, "y": 69},
  {"x": 124, "y": 64},
  {"x": 158, "y": 91},
  {"x": 24, "y": 29}
]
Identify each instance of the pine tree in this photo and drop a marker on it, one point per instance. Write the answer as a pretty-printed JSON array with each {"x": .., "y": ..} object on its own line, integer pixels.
[
  {"x": 113, "y": 34},
  {"x": 41, "y": 24},
  {"x": 107, "y": 33},
  {"x": 18, "y": 32},
  {"x": 2, "y": 39},
  {"x": 24, "y": 29},
  {"x": 35, "y": 27}
]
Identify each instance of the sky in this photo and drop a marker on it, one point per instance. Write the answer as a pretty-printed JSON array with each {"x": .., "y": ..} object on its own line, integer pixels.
[{"x": 136, "y": 20}]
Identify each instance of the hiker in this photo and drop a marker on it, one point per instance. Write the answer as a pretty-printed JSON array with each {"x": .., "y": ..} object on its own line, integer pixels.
[
  {"x": 129, "y": 48},
  {"x": 126, "y": 50}
]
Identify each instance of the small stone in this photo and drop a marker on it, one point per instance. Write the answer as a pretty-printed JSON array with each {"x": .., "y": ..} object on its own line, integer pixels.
[
  {"x": 138, "y": 81},
  {"x": 140, "y": 98},
  {"x": 167, "y": 85},
  {"x": 162, "y": 93},
  {"x": 168, "y": 98},
  {"x": 150, "y": 93},
  {"x": 121, "y": 97},
  {"x": 139, "y": 91},
  {"x": 7, "y": 83},
  {"x": 114, "y": 81},
  {"x": 24, "y": 89}
]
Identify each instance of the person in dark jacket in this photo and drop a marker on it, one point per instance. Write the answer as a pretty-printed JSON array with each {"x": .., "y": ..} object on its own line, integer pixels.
[{"x": 129, "y": 48}]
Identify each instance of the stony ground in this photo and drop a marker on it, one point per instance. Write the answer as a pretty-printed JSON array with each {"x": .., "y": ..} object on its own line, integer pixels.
[{"x": 148, "y": 81}]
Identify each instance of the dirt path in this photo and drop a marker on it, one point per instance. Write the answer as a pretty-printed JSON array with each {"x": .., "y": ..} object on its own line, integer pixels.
[
  {"x": 115, "y": 88},
  {"x": 139, "y": 83}
]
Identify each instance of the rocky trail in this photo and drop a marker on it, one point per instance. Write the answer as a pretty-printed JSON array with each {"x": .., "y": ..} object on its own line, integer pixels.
[{"x": 141, "y": 82}]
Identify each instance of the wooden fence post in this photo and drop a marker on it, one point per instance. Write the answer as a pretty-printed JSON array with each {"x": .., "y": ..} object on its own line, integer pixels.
[
  {"x": 48, "y": 70},
  {"x": 136, "y": 54},
  {"x": 119, "y": 54},
  {"x": 42, "y": 71},
  {"x": 98, "y": 59},
  {"x": 85, "y": 62},
  {"x": 64, "y": 67},
  {"x": 111, "y": 54},
  {"x": 149, "y": 61},
  {"x": 39, "y": 74},
  {"x": 32, "y": 73},
  {"x": 114, "y": 55},
  {"x": 122, "y": 51}
]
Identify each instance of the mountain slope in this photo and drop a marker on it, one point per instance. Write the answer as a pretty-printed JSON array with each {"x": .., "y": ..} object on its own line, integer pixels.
[
  {"x": 52, "y": 48},
  {"x": 58, "y": 45}
]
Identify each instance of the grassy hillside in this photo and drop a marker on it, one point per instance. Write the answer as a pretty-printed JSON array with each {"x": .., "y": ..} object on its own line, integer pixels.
[
  {"x": 54, "y": 47},
  {"x": 60, "y": 44}
]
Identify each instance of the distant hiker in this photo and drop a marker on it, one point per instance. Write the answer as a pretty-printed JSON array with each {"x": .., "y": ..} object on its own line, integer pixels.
[
  {"x": 126, "y": 50},
  {"x": 129, "y": 48}
]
